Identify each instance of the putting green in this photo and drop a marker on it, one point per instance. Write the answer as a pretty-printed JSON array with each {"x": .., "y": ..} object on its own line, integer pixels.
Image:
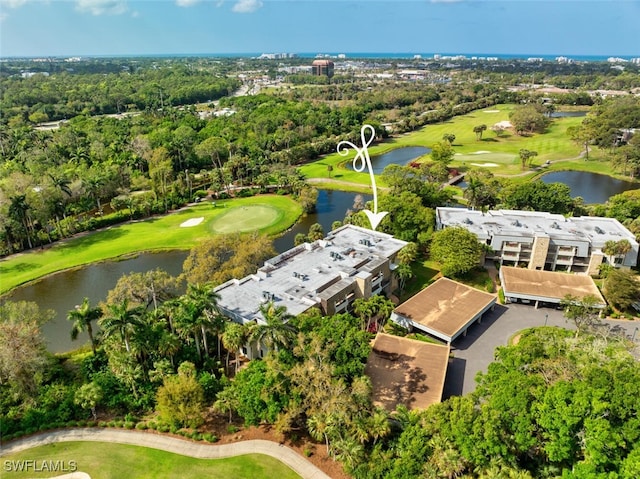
[{"x": 246, "y": 218}]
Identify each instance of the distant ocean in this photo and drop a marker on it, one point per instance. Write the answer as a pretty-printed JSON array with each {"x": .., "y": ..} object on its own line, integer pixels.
[{"x": 405, "y": 55}]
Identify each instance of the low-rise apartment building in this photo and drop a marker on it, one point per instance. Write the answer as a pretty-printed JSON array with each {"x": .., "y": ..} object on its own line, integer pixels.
[
  {"x": 544, "y": 241},
  {"x": 350, "y": 263}
]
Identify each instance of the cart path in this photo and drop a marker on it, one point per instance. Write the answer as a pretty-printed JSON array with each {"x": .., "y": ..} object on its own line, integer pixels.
[{"x": 171, "y": 444}]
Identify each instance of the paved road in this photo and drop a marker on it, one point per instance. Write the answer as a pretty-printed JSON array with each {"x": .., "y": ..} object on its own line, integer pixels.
[
  {"x": 474, "y": 352},
  {"x": 170, "y": 444}
]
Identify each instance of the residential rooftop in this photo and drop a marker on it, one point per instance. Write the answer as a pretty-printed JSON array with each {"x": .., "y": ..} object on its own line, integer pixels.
[
  {"x": 444, "y": 309},
  {"x": 595, "y": 230},
  {"x": 406, "y": 371},
  {"x": 302, "y": 277},
  {"x": 547, "y": 286}
]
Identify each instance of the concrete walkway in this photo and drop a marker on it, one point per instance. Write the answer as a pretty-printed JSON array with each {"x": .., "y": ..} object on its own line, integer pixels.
[{"x": 170, "y": 444}]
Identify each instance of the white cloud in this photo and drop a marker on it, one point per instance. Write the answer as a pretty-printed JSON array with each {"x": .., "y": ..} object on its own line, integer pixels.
[
  {"x": 247, "y": 6},
  {"x": 102, "y": 7},
  {"x": 13, "y": 3},
  {"x": 3, "y": 17},
  {"x": 186, "y": 3}
]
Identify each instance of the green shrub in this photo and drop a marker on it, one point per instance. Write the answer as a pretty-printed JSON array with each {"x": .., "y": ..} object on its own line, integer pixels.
[
  {"x": 501, "y": 299},
  {"x": 102, "y": 424},
  {"x": 207, "y": 436},
  {"x": 307, "y": 452},
  {"x": 152, "y": 425},
  {"x": 129, "y": 425},
  {"x": 142, "y": 426},
  {"x": 231, "y": 429},
  {"x": 163, "y": 428}
]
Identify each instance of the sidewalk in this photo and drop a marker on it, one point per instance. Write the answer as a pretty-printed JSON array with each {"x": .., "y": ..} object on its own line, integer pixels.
[{"x": 170, "y": 444}]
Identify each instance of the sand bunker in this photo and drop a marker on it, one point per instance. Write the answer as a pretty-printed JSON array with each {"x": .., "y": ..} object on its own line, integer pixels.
[
  {"x": 485, "y": 165},
  {"x": 504, "y": 124},
  {"x": 490, "y": 111},
  {"x": 192, "y": 222},
  {"x": 74, "y": 475}
]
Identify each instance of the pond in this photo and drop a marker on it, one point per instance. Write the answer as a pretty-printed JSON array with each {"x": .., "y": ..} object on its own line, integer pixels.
[
  {"x": 399, "y": 156},
  {"x": 568, "y": 114},
  {"x": 592, "y": 187},
  {"x": 63, "y": 291}
]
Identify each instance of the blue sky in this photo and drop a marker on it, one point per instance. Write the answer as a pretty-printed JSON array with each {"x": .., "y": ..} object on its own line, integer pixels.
[{"x": 146, "y": 27}]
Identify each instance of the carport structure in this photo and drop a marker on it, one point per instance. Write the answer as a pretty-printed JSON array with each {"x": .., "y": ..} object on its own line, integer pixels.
[
  {"x": 444, "y": 309},
  {"x": 548, "y": 287},
  {"x": 406, "y": 371}
]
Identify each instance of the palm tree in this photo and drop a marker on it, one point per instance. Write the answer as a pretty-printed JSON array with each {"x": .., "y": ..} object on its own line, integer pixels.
[
  {"x": 82, "y": 318},
  {"x": 233, "y": 337},
  {"x": 18, "y": 210},
  {"x": 379, "y": 425},
  {"x": 205, "y": 309},
  {"x": 275, "y": 332},
  {"x": 122, "y": 320}
]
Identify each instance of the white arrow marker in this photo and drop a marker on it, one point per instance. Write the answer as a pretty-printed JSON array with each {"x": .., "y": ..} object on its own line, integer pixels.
[{"x": 360, "y": 162}]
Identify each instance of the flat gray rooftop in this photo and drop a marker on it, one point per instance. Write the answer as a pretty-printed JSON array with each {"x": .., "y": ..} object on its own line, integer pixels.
[
  {"x": 297, "y": 278},
  {"x": 595, "y": 230}
]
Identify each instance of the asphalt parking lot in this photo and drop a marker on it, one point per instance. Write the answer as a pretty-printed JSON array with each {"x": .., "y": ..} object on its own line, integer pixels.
[{"x": 474, "y": 352}]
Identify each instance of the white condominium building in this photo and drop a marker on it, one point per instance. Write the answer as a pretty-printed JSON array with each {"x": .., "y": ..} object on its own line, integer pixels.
[
  {"x": 544, "y": 241},
  {"x": 350, "y": 263}
]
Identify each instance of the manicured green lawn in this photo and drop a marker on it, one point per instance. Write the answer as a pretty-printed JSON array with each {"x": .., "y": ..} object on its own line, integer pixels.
[
  {"x": 246, "y": 218},
  {"x": 107, "y": 460},
  {"x": 163, "y": 232},
  {"x": 503, "y": 151}
]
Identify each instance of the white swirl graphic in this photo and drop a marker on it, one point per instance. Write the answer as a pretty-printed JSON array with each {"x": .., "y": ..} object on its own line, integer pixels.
[{"x": 362, "y": 161}]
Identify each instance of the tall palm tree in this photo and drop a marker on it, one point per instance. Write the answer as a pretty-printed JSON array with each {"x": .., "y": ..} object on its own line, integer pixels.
[
  {"x": 204, "y": 307},
  {"x": 121, "y": 320},
  {"x": 276, "y": 332},
  {"x": 233, "y": 337},
  {"x": 82, "y": 318}
]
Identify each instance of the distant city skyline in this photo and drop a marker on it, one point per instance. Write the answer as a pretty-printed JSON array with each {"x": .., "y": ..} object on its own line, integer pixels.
[{"x": 32, "y": 28}]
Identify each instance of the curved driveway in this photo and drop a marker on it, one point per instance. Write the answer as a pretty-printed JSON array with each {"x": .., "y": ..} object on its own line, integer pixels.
[
  {"x": 474, "y": 352},
  {"x": 170, "y": 444}
]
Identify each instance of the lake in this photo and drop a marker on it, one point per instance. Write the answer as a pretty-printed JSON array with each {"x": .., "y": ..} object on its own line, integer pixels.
[
  {"x": 399, "y": 156},
  {"x": 61, "y": 292},
  {"x": 592, "y": 187}
]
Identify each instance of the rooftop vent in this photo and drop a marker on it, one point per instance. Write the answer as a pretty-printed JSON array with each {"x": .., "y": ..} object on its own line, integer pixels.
[
  {"x": 467, "y": 221},
  {"x": 555, "y": 226},
  {"x": 516, "y": 223},
  {"x": 599, "y": 230}
]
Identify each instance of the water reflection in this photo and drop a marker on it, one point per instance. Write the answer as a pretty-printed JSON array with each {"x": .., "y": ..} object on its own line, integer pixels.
[{"x": 63, "y": 291}]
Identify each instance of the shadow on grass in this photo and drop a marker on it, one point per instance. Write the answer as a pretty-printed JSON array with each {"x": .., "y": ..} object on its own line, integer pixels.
[
  {"x": 19, "y": 268},
  {"x": 92, "y": 239}
]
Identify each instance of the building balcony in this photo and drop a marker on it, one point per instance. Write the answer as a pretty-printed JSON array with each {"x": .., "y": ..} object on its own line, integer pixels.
[
  {"x": 511, "y": 247},
  {"x": 510, "y": 255},
  {"x": 565, "y": 260}
]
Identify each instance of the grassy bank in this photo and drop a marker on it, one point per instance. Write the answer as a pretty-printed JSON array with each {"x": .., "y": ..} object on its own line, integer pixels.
[
  {"x": 105, "y": 460},
  {"x": 158, "y": 233},
  {"x": 501, "y": 152}
]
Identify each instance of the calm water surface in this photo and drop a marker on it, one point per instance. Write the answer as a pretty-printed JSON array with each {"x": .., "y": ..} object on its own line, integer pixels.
[
  {"x": 63, "y": 291},
  {"x": 399, "y": 156},
  {"x": 592, "y": 187}
]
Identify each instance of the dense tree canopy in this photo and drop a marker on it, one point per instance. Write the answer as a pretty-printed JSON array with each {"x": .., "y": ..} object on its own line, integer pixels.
[
  {"x": 538, "y": 196},
  {"x": 223, "y": 257},
  {"x": 457, "y": 250}
]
